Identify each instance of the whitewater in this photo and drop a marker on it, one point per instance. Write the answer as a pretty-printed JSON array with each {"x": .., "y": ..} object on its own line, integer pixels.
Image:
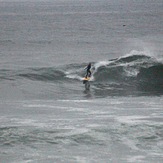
[{"x": 47, "y": 115}]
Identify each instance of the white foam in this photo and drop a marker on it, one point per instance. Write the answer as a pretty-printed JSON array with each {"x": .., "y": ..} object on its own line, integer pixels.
[
  {"x": 131, "y": 71},
  {"x": 137, "y": 52},
  {"x": 136, "y": 158},
  {"x": 101, "y": 63},
  {"x": 75, "y": 100},
  {"x": 132, "y": 119},
  {"x": 130, "y": 143},
  {"x": 74, "y": 76},
  {"x": 39, "y": 106}
]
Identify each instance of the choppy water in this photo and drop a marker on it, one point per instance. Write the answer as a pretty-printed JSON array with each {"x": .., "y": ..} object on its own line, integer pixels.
[{"x": 46, "y": 113}]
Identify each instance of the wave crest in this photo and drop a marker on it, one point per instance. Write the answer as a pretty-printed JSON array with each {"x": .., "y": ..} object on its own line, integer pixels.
[{"x": 133, "y": 74}]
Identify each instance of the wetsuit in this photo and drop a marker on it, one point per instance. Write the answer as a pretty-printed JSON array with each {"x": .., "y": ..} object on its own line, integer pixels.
[{"x": 88, "y": 70}]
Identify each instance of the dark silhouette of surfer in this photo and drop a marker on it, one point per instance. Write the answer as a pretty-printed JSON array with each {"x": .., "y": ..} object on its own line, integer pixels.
[{"x": 88, "y": 68}]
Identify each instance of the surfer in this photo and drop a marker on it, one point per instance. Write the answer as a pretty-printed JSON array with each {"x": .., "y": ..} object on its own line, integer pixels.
[{"x": 88, "y": 70}]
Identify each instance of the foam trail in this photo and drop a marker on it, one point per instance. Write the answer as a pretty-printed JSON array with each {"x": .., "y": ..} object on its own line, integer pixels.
[{"x": 74, "y": 76}]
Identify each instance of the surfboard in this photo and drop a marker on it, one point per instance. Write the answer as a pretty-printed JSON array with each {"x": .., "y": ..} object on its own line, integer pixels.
[{"x": 86, "y": 79}]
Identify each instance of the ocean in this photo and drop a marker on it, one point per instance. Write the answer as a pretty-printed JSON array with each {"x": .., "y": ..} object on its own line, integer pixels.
[{"x": 47, "y": 115}]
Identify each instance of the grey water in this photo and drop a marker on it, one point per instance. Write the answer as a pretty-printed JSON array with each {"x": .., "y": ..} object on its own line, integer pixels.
[{"x": 46, "y": 115}]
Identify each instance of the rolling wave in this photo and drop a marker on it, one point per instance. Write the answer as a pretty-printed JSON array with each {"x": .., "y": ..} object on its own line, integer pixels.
[
  {"x": 133, "y": 73},
  {"x": 43, "y": 74},
  {"x": 136, "y": 67}
]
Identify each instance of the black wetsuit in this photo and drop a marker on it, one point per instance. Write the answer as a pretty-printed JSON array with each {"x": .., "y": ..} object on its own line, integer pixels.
[{"x": 88, "y": 71}]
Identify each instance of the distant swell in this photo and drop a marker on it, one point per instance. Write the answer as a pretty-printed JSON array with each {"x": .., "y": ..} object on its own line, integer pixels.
[{"x": 43, "y": 74}]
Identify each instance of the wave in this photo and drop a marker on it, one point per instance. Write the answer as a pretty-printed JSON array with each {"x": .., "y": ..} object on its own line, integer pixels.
[
  {"x": 131, "y": 74},
  {"x": 43, "y": 74},
  {"x": 134, "y": 73},
  {"x": 129, "y": 68}
]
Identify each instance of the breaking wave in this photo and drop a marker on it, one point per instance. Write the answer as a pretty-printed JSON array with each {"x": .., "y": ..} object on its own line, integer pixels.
[
  {"x": 136, "y": 73},
  {"x": 131, "y": 74}
]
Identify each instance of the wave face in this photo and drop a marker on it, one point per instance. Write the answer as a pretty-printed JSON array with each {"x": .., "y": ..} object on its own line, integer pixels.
[{"x": 134, "y": 74}]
